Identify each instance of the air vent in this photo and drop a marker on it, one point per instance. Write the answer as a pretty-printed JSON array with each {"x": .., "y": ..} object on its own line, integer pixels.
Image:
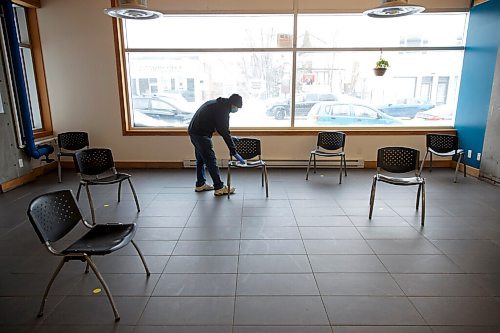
[
  {"x": 394, "y": 8},
  {"x": 132, "y": 9}
]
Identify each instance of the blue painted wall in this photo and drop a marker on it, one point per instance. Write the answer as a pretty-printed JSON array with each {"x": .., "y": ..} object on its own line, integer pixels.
[{"x": 483, "y": 40}]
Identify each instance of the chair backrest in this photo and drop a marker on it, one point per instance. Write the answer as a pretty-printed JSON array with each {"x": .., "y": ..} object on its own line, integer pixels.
[
  {"x": 53, "y": 215},
  {"x": 398, "y": 159},
  {"x": 248, "y": 148},
  {"x": 73, "y": 140},
  {"x": 331, "y": 140},
  {"x": 94, "y": 161},
  {"x": 442, "y": 143}
]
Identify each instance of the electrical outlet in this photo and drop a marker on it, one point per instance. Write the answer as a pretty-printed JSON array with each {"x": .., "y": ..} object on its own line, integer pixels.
[
  {"x": 21, "y": 164},
  {"x": 479, "y": 156},
  {"x": 469, "y": 153}
]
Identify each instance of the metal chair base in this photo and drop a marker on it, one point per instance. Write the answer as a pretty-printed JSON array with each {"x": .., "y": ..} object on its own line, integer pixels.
[
  {"x": 89, "y": 196},
  {"x": 264, "y": 178},
  {"x": 343, "y": 165},
  {"x": 420, "y": 196}
]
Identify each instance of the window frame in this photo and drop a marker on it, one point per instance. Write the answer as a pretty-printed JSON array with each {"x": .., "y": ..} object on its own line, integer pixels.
[
  {"x": 35, "y": 46},
  {"x": 129, "y": 130}
]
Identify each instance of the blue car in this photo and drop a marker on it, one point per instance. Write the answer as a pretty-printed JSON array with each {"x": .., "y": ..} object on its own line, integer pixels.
[{"x": 349, "y": 114}]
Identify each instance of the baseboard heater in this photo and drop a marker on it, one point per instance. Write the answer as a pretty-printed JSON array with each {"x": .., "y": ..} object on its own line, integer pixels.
[{"x": 299, "y": 164}]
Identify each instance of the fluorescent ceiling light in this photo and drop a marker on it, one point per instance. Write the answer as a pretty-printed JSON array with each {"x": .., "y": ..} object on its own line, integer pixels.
[
  {"x": 394, "y": 8},
  {"x": 132, "y": 9}
]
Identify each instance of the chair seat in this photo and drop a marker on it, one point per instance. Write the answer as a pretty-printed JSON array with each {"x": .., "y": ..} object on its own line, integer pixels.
[
  {"x": 116, "y": 178},
  {"x": 249, "y": 164},
  {"x": 103, "y": 239},
  {"x": 400, "y": 180},
  {"x": 448, "y": 153},
  {"x": 326, "y": 153}
]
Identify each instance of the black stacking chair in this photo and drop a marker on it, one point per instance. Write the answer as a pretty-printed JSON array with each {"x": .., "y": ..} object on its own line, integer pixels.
[
  {"x": 68, "y": 143},
  {"x": 399, "y": 160},
  {"x": 54, "y": 215},
  {"x": 334, "y": 143},
  {"x": 444, "y": 145},
  {"x": 96, "y": 167},
  {"x": 249, "y": 149}
]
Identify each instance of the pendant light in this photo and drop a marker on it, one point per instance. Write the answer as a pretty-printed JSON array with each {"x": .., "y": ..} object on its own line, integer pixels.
[
  {"x": 132, "y": 9},
  {"x": 394, "y": 8}
]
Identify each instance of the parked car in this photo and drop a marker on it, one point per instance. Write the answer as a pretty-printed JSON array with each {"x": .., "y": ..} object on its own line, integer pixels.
[
  {"x": 303, "y": 104},
  {"x": 173, "y": 111},
  {"x": 441, "y": 112},
  {"x": 405, "y": 110},
  {"x": 141, "y": 120},
  {"x": 349, "y": 113}
]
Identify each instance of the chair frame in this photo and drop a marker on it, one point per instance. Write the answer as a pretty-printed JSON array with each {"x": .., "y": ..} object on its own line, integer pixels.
[
  {"x": 259, "y": 163},
  {"x": 67, "y": 149},
  {"x": 81, "y": 256},
  {"x": 320, "y": 143},
  {"x": 87, "y": 180},
  {"x": 441, "y": 151},
  {"x": 402, "y": 181}
]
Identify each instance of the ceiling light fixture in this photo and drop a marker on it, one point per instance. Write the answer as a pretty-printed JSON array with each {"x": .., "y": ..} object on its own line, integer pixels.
[
  {"x": 132, "y": 9},
  {"x": 394, "y": 8}
]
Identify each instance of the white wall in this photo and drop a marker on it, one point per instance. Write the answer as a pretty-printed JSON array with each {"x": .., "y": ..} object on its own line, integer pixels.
[{"x": 79, "y": 54}]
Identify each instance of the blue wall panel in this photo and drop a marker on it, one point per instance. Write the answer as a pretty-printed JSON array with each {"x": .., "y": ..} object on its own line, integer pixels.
[{"x": 483, "y": 40}]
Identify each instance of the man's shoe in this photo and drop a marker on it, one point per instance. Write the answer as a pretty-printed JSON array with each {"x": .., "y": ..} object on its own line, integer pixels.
[
  {"x": 204, "y": 187},
  {"x": 224, "y": 191}
]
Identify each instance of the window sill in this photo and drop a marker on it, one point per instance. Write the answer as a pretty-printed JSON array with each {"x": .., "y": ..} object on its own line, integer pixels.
[
  {"x": 39, "y": 134},
  {"x": 301, "y": 131}
]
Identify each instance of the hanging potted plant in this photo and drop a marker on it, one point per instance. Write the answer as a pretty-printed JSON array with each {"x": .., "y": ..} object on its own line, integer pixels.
[{"x": 381, "y": 66}]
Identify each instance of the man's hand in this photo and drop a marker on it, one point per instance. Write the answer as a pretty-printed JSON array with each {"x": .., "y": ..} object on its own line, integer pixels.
[{"x": 239, "y": 158}]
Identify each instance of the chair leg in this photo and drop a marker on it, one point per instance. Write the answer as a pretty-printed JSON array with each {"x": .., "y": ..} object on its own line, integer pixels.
[
  {"x": 345, "y": 165},
  {"x": 59, "y": 171},
  {"x": 266, "y": 178},
  {"x": 456, "y": 168},
  {"x": 430, "y": 160},
  {"x": 341, "y": 171},
  {"x": 418, "y": 196},
  {"x": 423, "y": 203},
  {"x": 262, "y": 177},
  {"x": 142, "y": 258},
  {"x": 119, "y": 190},
  {"x": 314, "y": 163},
  {"x": 104, "y": 285},
  {"x": 308, "y": 166},
  {"x": 423, "y": 162},
  {"x": 44, "y": 299},
  {"x": 228, "y": 180},
  {"x": 92, "y": 212},
  {"x": 87, "y": 268},
  {"x": 135, "y": 194},
  {"x": 372, "y": 196},
  {"x": 465, "y": 165},
  {"x": 78, "y": 192}
]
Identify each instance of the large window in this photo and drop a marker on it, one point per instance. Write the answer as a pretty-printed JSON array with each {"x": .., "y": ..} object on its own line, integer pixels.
[
  {"x": 320, "y": 77},
  {"x": 34, "y": 76}
]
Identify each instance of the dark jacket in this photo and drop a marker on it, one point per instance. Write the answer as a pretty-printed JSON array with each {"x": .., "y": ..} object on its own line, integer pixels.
[{"x": 213, "y": 116}]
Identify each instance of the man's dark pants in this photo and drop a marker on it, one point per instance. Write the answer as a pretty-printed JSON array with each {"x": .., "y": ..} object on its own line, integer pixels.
[{"x": 205, "y": 156}]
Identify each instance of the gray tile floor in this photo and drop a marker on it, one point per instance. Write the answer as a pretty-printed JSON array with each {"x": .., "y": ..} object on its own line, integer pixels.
[{"x": 305, "y": 260}]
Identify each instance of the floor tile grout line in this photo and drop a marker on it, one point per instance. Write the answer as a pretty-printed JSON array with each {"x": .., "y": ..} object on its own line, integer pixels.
[
  {"x": 314, "y": 276},
  {"x": 395, "y": 281},
  {"x": 237, "y": 264},
  {"x": 158, "y": 281}
]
